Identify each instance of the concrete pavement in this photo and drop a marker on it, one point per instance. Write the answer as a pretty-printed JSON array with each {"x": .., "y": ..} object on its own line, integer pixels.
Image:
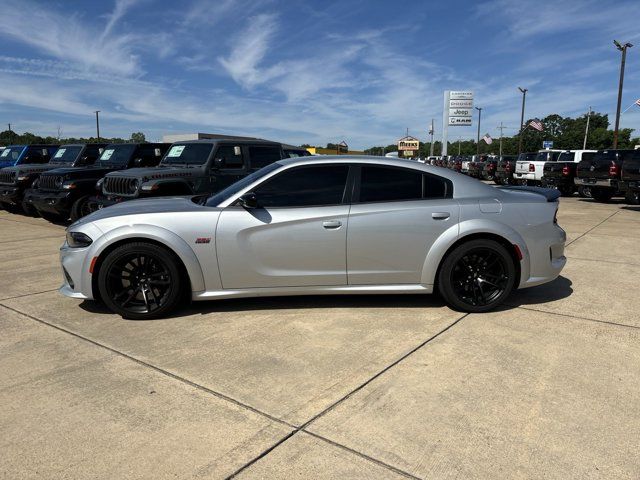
[{"x": 327, "y": 387}]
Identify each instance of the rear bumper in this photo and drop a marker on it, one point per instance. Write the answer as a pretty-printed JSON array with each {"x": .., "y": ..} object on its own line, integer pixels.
[
  {"x": 596, "y": 182},
  {"x": 633, "y": 185},
  {"x": 557, "y": 181},
  {"x": 546, "y": 256},
  {"x": 51, "y": 202},
  {"x": 525, "y": 176}
]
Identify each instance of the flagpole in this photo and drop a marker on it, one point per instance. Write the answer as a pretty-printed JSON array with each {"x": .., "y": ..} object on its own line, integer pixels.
[{"x": 634, "y": 103}]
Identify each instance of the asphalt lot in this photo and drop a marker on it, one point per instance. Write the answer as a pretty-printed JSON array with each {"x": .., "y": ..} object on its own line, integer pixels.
[{"x": 327, "y": 387}]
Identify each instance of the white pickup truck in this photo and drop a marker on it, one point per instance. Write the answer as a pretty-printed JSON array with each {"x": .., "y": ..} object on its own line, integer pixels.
[{"x": 529, "y": 169}]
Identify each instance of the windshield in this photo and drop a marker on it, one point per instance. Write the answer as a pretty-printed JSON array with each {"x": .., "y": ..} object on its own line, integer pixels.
[
  {"x": 117, "y": 154},
  {"x": 188, "y": 154},
  {"x": 66, "y": 154},
  {"x": 11, "y": 154},
  {"x": 217, "y": 198},
  {"x": 566, "y": 157}
]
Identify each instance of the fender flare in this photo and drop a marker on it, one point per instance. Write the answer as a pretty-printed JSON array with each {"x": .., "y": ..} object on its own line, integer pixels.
[
  {"x": 467, "y": 228},
  {"x": 151, "y": 232},
  {"x": 160, "y": 183}
]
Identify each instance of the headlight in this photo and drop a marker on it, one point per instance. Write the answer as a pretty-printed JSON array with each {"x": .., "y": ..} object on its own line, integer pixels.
[
  {"x": 68, "y": 185},
  {"x": 78, "y": 240},
  {"x": 59, "y": 182},
  {"x": 22, "y": 178}
]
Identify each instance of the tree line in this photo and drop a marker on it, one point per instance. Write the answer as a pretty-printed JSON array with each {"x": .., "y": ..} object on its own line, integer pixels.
[
  {"x": 9, "y": 137},
  {"x": 565, "y": 132}
]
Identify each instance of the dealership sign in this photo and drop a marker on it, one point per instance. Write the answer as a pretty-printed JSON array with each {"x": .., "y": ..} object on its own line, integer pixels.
[
  {"x": 408, "y": 146},
  {"x": 457, "y": 112}
]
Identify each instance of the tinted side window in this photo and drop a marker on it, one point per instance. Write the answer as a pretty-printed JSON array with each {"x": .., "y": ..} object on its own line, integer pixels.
[
  {"x": 228, "y": 154},
  {"x": 263, "y": 156},
  {"x": 304, "y": 186},
  {"x": 385, "y": 184}
]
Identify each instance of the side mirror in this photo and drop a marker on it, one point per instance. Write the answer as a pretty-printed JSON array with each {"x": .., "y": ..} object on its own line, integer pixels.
[
  {"x": 137, "y": 162},
  {"x": 248, "y": 200},
  {"x": 218, "y": 162}
]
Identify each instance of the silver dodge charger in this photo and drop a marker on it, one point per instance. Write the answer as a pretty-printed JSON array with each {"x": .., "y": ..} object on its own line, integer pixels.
[{"x": 319, "y": 225}]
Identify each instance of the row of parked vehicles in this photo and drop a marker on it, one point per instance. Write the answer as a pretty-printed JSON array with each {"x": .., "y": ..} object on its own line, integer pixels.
[
  {"x": 61, "y": 182},
  {"x": 599, "y": 174}
]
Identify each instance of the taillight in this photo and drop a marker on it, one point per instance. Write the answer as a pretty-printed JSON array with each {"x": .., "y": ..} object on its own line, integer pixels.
[
  {"x": 565, "y": 170},
  {"x": 491, "y": 166},
  {"x": 532, "y": 167},
  {"x": 507, "y": 167},
  {"x": 614, "y": 170}
]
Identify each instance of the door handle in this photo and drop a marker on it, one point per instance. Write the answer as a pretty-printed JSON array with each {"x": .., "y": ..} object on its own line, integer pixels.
[
  {"x": 332, "y": 224},
  {"x": 440, "y": 215}
]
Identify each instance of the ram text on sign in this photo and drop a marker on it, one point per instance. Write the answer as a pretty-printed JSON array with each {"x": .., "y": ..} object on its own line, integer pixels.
[
  {"x": 408, "y": 145},
  {"x": 460, "y": 112},
  {"x": 460, "y": 121},
  {"x": 460, "y": 103},
  {"x": 453, "y": 95}
]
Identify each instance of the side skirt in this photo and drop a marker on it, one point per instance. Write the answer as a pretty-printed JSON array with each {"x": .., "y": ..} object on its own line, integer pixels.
[{"x": 320, "y": 290}]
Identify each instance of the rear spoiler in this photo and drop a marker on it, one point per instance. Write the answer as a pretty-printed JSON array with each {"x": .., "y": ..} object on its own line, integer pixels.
[{"x": 551, "y": 194}]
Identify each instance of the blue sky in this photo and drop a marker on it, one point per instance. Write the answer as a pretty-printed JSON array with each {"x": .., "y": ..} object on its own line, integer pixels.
[{"x": 312, "y": 72}]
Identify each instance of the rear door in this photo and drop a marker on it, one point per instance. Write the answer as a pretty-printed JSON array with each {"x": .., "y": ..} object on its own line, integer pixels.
[
  {"x": 297, "y": 235},
  {"x": 396, "y": 216}
]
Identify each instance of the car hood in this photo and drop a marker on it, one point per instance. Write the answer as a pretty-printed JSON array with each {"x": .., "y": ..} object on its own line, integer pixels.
[
  {"x": 32, "y": 168},
  {"x": 156, "y": 172},
  {"x": 145, "y": 206},
  {"x": 81, "y": 172}
]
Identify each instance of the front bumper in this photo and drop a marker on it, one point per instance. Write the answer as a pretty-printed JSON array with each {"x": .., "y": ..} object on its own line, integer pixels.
[
  {"x": 596, "y": 182},
  {"x": 53, "y": 202},
  {"x": 11, "y": 194}
]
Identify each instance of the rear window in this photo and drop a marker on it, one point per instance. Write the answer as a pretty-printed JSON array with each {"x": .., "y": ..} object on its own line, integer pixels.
[{"x": 567, "y": 156}]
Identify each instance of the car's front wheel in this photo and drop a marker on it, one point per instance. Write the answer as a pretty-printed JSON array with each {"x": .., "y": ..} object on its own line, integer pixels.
[
  {"x": 80, "y": 208},
  {"x": 477, "y": 276},
  {"x": 632, "y": 198},
  {"x": 140, "y": 281}
]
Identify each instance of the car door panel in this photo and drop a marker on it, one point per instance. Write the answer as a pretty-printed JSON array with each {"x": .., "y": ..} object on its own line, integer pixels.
[
  {"x": 282, "y": 247},
  {"x": 387, "y": 243}
]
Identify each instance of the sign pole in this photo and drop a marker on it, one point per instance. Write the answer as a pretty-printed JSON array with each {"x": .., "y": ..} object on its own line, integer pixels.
[{"x": 445, "y": 123}]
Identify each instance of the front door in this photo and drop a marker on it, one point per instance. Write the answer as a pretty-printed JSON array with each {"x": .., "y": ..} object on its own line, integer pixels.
[
  {"x": 397, "y": 216},
  {"x": 296, "y": 236}
]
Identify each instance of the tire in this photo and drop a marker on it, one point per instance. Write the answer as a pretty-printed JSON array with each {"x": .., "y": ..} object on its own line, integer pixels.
[
  {"x": 584, "y": 192},
  {"x": 632, "y": 198},
  {"x": 470, "y": 266},
  {"x": 566, "y": 190},
  {"x": 80, "y": 208},
  {"x": 29, "y": 209},
  {"x": 602, "y": 195},
  {"x": 141, "y": 281}
]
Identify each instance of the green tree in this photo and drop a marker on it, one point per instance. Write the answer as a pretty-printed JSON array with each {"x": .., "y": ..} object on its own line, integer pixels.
[{"x": 138, "y": 137}]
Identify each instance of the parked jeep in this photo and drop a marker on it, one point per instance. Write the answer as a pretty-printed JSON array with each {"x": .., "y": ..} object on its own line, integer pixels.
[
  {"x": 630, "y": 178},
  {"x": 192, "y": 167},
  {"x": 602, "y": 173},
  {"x": 561, "y": 173},
  {"x": 14, "y": 181},
  {"x": 24, "y": 154},
  {"x": 64, "y": 193}
]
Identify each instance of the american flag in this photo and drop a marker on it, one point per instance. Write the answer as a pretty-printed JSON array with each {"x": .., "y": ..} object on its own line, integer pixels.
[
  {"x": 487, "y": 138},
  {"x": 537, "y": 124},
  {"x": 638, "y": 102}
]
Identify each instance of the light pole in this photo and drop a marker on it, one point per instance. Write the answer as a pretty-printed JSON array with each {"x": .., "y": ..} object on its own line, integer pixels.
[
  {"x": 524, "y": 96},
  {"x": 501, "y": 128},
  {"x": 478, "y": 139},
  {"x": 623, "y": 49},
  {"x": 586, "y": 130},
  {"x": 97, "y": 125},
  {"x": 431, "y": 133}
]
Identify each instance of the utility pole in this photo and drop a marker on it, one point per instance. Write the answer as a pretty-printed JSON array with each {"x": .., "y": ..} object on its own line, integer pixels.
[
  {"x": 459, "y": 138},
  {"x": 10, "y": 133},
  {"x": 478, "y": 139},
  {"x": 623, "y": 49},
  {"x": 431, "y": 131},
  {"x": 501, "y": 128},
  {"x": 524, "y": 96},
  {"x": 97, "y": 125},
  {"x": 586, "y": 130}
]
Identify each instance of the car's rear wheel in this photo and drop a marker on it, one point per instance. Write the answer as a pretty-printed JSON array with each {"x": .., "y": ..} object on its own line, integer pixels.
[
  {"x": 140, "y": 281},
  {"x": 601, "y": 194},
  {"x": 584, "y": 192},
  {"x": 632, "y": 198},
  {"x": 477, "y": 276},
  {"x": 566, "y": 190},
  {"x": 80, "y": 208}
]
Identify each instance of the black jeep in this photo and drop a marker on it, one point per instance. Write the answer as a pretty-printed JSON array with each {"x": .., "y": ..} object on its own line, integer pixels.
[
  {"x": 192, "y": 167},
  {"x": 64, "y": 192},
  {"x": 14, "y": 181}
]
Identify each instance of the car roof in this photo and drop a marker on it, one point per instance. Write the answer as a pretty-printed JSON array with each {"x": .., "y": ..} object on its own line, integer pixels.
[{"x": 464, "y": 186}]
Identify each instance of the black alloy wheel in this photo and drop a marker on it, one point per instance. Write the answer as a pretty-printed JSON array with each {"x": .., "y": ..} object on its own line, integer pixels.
[
  {"x": 602, "y": 195},
  {"x": 632, "y": 198},
  {"x": 477, "y": 276},
  {"x": 140, "y": 281},
  {"x": 584, "y": 192}
]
